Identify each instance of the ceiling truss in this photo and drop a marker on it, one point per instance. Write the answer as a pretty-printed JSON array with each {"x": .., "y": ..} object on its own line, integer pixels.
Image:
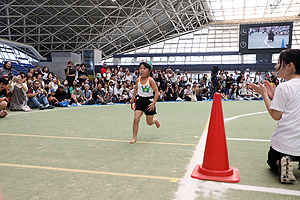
[{"x": 114, "y": 27}]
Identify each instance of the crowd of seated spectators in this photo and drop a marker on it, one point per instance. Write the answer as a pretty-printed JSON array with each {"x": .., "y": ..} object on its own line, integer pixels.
[{"x": 42, "y": 89}]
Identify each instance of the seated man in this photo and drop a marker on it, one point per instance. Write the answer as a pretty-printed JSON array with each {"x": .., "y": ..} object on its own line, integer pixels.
[
  {"x": 77, "y": 96},
  {"x": 37, "y": 97},
  {"x": 61, "y": 96},
  {"x": 3, "y": 98},
  {"x": 98, "y": 94}
]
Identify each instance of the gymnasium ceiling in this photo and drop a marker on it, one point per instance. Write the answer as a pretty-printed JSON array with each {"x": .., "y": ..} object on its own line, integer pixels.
[
  {"x": 112, "y": 26},
  {"x": 120, "y": 26}
]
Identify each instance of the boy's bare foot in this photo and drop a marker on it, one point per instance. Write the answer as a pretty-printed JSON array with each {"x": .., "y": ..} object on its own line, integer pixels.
[
  {"x": 3, "y": 113},
  {"x": 132, "y": 141},
  {"x": 156, "y": 122}
]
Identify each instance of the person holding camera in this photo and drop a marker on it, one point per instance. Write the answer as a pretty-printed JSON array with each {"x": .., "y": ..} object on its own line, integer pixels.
[
  {"x": 37, "y": 97},
  {"x": 169, "y": 93},
  {"x": 18, "y": 87},
  {"x": 53, "y": 84},
  {"x": 170, "y": 75},
  {"x": 70, "y": 73}
]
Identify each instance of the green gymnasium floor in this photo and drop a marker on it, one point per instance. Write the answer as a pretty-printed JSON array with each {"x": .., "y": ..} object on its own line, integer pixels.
[{"x": 83, "y": 153}]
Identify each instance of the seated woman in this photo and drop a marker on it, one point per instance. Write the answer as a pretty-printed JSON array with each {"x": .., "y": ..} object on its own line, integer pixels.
[
  {"x": 53, "y": 84},
  {"x": 18, "y": 98},
  {"x": 87, "y": 95}
]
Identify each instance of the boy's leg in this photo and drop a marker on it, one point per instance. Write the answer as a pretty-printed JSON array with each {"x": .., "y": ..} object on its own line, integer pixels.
[
  {"x": 150, "y": 120},
  {"x": 136, "y": 121},
  {"x": 51, "y": 100}
]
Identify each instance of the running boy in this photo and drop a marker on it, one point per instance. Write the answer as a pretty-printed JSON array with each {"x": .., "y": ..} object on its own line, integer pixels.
[
  {"x": 285, "y": 108},
  {"x": 145, "y": 103}
]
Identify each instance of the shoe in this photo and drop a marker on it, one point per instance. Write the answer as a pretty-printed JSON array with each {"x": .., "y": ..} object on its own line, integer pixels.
[
  {"x": 49, "y": 107},
  {"x": 41, "y": 108},
  {"x": 286, "y": 170},
  {"x": 27, "y": 109}
]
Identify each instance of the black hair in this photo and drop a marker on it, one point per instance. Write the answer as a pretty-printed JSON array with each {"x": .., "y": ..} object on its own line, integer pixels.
[
  {"x": 290, "y": 56},
  {"x": 2, "y": 80},
  {"x": 45, "y": 68},
  {"x": 4, "y": 65},
  {"x": 147, "y": 66},
  {"x": 49, "y": 74}
]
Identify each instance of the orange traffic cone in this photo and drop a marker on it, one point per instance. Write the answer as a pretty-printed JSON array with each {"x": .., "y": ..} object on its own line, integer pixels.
[{"x": 215, "y": 165}]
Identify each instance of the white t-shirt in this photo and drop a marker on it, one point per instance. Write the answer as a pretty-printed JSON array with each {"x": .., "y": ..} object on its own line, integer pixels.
[
  {"x": 286, "y": 137},
  {"x": 130, "y": 78}
]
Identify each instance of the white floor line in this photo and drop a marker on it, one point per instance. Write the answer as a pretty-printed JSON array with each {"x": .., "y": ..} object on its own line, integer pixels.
[
  {"x": 11, "y": 113},
  {"x": 190, "y": 188},
  {"x": 267, "y": 43},
  {"x": 217, "y": 188},
  {"x": 244, "y": 139},
  {"x": 245, "y": 115}
]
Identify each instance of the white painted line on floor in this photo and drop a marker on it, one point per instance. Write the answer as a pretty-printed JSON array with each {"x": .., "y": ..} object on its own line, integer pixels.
[
  {"x": 11, "y": 113},
  {"x": 208, "y": 188},
  {"x": 190, "y": 188},
  {"x": 245, "y": 115},
  {"x": 267, "y": 43},
  {"x": 244, "y": 139}
]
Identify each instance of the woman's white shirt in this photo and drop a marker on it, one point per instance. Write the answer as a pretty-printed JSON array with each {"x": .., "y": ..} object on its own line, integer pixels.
[{"x": 286, "y": 137}]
